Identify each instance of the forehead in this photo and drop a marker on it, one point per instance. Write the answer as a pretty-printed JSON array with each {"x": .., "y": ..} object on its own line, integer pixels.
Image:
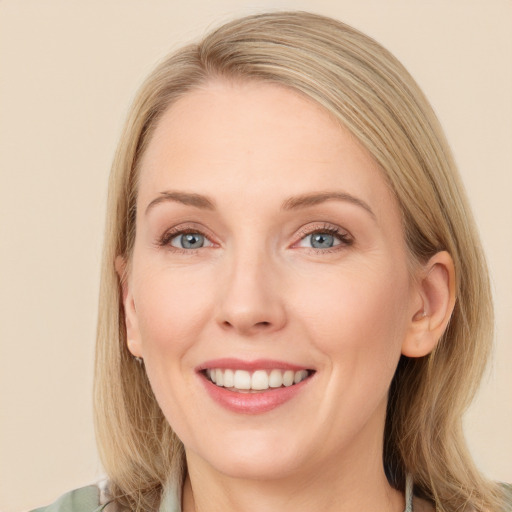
[
  {"x": 240, "y": 138},
  {"x": 239, "y": 117}
]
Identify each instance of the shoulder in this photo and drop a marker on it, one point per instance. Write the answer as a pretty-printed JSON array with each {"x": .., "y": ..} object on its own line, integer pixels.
[{"x": 84, "y": 499}]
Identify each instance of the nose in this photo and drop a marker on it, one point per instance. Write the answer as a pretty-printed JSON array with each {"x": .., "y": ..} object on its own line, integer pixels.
[{"x": 250, "y": 299}]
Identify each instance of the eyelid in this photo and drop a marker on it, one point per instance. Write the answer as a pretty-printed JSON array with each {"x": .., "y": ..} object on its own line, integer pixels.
[
  {"x": 165, "y": 239},
  {"x": 343, "y": 235}
]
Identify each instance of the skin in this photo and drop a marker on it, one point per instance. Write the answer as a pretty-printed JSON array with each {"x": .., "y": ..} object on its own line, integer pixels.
[{"x": 258, "y": 289}]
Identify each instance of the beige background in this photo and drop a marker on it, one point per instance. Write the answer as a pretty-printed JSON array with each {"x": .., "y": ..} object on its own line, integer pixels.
[{"x": 68, "y": 72}]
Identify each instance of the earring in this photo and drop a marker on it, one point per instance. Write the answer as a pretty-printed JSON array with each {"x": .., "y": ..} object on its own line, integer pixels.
[{"x": 138, "y": 359}]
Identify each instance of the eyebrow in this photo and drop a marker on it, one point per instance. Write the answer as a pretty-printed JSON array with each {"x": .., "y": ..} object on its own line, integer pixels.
[
  {"x": 305, "y": 200},
  {"x": 187, "y": 198},
  {"x": 292, "y": 203}
]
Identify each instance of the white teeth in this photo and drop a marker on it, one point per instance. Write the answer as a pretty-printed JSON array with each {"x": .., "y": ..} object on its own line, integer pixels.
[
  {"x": 300, "y": 376},
  {"x": 229, "y": 378},
  {"x": 275, "y": 379},
  {"x": 259, "y": 380},
  {"x": 288, "y": 378},
  {"x": 242, "y": 380}
]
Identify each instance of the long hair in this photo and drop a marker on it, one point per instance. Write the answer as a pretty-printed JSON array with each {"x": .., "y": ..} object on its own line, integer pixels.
[{"x": 371, "y": 94}]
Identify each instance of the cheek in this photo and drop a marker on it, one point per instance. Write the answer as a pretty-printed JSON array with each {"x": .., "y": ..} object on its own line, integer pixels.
[
  {"x": 357, "y": 322},
  {"x": 172, "y": 308},
  {"x": 359, "y": 313}
]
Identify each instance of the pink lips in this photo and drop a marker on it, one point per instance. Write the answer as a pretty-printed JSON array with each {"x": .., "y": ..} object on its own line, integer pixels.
[
  {"x": 258, "y": 364},
  {"x": 254, "y": 402}
]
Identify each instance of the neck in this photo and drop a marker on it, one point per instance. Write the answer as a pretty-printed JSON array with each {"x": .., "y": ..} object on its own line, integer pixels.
[
  {"x": 341, "y": 488},
  {"x": 350, "y": 478}
]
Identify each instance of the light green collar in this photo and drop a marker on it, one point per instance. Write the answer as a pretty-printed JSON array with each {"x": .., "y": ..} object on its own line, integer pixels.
[{"x": 171, "y": 499}]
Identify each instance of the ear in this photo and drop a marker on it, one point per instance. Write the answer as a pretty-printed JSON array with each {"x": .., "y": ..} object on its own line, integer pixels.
[
  {"x": 130, "y": 313},
  {"x": 433, "y": 307}
]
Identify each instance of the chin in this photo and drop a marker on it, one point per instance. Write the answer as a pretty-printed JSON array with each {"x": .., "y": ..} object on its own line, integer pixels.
[
  {"x": 253, "y": 457},
  {"x": 257, "y": 467}
]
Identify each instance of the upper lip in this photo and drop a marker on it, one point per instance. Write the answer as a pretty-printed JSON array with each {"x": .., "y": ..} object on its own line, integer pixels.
[{"x": 257, "y": 364}]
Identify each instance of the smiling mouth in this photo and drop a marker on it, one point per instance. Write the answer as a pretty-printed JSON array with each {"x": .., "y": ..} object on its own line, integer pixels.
[{"x": 244, "y": 381}]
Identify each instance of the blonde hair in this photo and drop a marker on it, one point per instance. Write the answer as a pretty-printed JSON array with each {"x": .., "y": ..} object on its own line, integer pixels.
[{"x": 369, "y": 92}]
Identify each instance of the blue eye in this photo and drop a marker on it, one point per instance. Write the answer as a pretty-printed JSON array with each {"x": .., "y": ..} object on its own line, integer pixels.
[
  {"x": 189, "y": 241},
  {"x": 325, "y": 238}
]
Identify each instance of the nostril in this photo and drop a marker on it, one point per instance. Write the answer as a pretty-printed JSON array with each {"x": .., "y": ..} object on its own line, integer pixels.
[{"x": 257, "y": 326}]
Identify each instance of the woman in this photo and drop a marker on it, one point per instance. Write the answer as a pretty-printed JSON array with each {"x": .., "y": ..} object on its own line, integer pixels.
[{"x": 295, "y": 308}]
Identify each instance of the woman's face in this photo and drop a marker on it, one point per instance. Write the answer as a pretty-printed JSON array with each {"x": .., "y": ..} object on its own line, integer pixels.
[{"x": 269, "y": 250}]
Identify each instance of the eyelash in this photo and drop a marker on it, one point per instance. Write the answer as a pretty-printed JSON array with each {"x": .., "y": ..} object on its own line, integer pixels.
[
  {"x": 165, "y": 239},
  {"x": 344, "y": 238}
]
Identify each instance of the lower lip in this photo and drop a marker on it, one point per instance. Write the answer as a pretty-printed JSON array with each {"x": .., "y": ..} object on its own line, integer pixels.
[{"x": 252, "y": 402}]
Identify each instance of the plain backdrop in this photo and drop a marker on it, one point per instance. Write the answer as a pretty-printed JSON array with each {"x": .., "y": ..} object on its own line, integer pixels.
[{"x": 68, "y": 71}]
